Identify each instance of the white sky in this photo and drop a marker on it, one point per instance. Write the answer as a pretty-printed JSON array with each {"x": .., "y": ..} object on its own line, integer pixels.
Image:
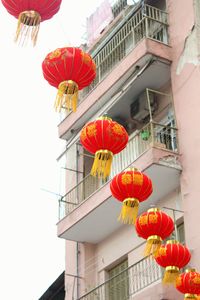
[{"x": 31, "y": 256}]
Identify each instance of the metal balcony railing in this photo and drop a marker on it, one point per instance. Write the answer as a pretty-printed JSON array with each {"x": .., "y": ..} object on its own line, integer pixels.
[
  {"x": 152, "y": 135},
  {"x": 147, "y": 21},
  {"x": 128, "y": 282}
]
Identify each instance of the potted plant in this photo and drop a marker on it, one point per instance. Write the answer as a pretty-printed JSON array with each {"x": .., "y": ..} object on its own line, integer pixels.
[{"x": 145, "y": 134}]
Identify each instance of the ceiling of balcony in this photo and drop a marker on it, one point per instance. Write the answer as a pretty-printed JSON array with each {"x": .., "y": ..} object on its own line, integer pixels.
[
  {"x": 102, "y": 221},
  {"x": 154, "y": 77},
  {"x": 150, "y": 72}
]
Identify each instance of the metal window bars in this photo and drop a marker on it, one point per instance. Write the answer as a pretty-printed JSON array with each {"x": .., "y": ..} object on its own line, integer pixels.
[{"x": 147, "y": 21}]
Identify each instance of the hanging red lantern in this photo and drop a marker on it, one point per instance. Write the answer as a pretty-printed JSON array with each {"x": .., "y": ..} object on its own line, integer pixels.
[
  {"x": 30, "y": 14},
  {"x": 188, "y": 283},
  {"x": 130, "y": 187},
  {"x": 104, "y": 138},
  {"x": 68, "y": 69},
  {"x": 154, "y": 226},
  {"x": 172, "y": 256}
]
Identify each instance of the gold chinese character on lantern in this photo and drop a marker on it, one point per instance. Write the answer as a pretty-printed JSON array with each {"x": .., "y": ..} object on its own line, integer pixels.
[
  {"x": 118, "y": 129},
  {"x": 143, "y": 220},
  {"x": 91, "y": 130},
  {"x": 153, "y": 218},
  {"x": 162, "y": 252},
  {"x": 83, "y": 134},
  {"x": 126, "y": 179},
  {"x": 196, "y": 279},
  {"x": 178, "y": 281},
  {"x": 138, "y": 179}
]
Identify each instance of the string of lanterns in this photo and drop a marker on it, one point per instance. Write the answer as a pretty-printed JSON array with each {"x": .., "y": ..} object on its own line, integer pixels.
[
  {"x": 70, "y": 69},
  {"x": 154, "y": 226},
  {"x": 132, "y": 187}
]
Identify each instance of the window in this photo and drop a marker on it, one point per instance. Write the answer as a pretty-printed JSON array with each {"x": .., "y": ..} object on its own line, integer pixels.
[
  {"x": 180, "y": 233},
  {"x": 118, "y": 288},
  {"x": 167, "y": 136}
]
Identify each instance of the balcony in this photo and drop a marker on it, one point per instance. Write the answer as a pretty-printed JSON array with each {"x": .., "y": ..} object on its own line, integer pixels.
[
  {"x": 82, "y": 208},
  {"x": 132, "y": 283},
  {"x": 118, "y": 57},
  {"x": 128, "y": 282},
  {"x": 148, "y": 22}
]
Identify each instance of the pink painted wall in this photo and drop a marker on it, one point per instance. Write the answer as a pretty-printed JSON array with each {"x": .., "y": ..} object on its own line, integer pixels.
[
  {"x": 70, "y": 269},
  {"x": 94, "y": 260},
  {"x": 186, "y": 92}
]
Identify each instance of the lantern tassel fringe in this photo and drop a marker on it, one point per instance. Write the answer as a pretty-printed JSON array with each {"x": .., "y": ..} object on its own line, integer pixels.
[
  {"x": 102, "y": 164},
  {"x": 67, "y": 96},
  {"x": 27, "y": 27},
  {"x": 67, "y": 101},
  {"x": 170, "y": 277},
  {"x": 129, "y": 211},
  {"x": 152, "y": 247}
]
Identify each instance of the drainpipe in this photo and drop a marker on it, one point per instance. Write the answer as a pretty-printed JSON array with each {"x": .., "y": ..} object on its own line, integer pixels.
[{"x": 77, "y": 271}]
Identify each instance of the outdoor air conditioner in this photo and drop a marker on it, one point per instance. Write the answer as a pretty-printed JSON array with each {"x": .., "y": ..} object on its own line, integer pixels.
[{"x": 139, "y": 109}]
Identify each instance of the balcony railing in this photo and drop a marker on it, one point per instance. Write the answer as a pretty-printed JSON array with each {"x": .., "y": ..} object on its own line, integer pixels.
[
  {"x": 147, "y": 21},
  {"x": 152, "y": 135},
  {"x": 128, "y": 282}
]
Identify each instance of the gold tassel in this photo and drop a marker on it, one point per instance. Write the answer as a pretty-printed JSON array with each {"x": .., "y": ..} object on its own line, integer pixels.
[
  {"x": 102, "y": 164},
  {"x": 28, "y": 26},
  {"x": 152, "y": 245},
  {"x": 67, "y": 96},
  {"x": 129, "y": 211},
  {"x": 170, "y": 275}
]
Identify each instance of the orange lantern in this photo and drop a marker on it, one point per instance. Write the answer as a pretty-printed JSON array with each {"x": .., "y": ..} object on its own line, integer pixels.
[
  {"x": 188, "y": 283},
  {"x": 68, "y": 69},
  {"x": 30, "y": 13},
  {"x": 104, "y": 138},
  {"x": 154, "y": 226},
  {"x": 130, "y": 187},
  {"x": 172, "y": 256}
]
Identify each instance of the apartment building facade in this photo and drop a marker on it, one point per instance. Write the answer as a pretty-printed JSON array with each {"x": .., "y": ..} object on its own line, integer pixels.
[{"x": 147, "y": 79}]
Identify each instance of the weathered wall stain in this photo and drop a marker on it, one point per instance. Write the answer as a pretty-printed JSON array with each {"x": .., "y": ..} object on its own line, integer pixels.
[{"x": 191, "y": 50}]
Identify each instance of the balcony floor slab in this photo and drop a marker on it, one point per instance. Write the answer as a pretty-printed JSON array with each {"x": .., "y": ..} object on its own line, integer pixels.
[{"x": 96, "y": 218}]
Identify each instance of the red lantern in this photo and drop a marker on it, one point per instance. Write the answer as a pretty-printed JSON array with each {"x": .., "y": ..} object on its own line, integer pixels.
[
  {"x": 104, "y": 138},
  {"x": 188, "y": 283},
  {"x": 130, "y": 187},
  {"x": 68, "y": 69},
  {"x": 154, "y": 226},
  {"x": 30, "y": 13},
  {"x": 172, "y": 256}
]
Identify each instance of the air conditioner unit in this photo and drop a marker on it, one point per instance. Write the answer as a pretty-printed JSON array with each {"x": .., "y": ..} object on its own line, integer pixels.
[{"x": 139, "y": 109}]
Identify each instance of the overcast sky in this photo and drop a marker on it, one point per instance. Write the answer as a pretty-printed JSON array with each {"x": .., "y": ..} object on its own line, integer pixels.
[{"x": 32, "y": 256}]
